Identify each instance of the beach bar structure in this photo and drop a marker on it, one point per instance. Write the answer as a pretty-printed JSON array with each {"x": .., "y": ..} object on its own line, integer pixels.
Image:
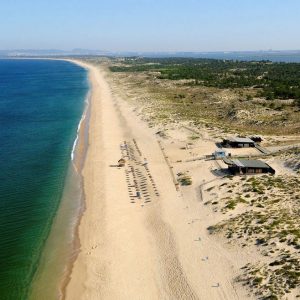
[
  {"x": 238, "y": 142},
  {"x": 247, "y": 166}
]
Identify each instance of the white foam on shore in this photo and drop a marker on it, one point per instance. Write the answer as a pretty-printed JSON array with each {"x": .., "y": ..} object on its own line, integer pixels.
[
  {"x": 87, "y": 101},
  {"x": 56, "y": 261}
]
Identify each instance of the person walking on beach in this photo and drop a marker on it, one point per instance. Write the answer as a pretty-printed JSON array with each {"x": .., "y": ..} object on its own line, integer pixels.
[{"x": 145, "y": 164}]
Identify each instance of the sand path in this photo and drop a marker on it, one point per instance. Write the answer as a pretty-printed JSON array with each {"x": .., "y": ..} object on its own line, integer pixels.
[{"x": 138, "y": 248}]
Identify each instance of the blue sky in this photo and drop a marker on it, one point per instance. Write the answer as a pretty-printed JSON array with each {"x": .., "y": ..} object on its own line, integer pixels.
[{"x": 150, "y": 25}]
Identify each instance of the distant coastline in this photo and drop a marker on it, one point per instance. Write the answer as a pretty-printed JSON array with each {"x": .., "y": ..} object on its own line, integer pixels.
[{"x": 288, "y": 56}]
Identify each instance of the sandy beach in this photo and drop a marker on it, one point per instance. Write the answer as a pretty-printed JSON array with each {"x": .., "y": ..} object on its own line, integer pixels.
[
  {"x": 150, "y": 151},
  {"x": 155, "y": 247}
]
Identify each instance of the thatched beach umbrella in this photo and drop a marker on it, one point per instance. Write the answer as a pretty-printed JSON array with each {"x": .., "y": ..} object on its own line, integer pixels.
[{"x": 121, "y": 162}]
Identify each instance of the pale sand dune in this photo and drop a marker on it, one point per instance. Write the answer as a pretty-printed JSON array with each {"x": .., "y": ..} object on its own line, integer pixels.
[{"x": 130, "y": 251}]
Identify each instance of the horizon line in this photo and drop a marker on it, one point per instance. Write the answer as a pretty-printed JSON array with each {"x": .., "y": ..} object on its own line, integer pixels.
[{"x": 146, "y": 51}]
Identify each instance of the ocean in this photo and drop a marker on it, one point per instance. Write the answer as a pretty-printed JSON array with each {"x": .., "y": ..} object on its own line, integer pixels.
[
  {"x": 255, "y": 56},
  {"x": 274, "y": 56},
  {"x": 41, "y": 105}
]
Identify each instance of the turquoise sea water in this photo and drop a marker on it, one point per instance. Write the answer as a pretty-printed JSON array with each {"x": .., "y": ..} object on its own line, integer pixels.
[{"x": 41, "y": 104}]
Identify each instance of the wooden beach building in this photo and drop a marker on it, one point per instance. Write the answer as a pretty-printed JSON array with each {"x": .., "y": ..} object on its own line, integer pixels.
[{"x": 247, "y": 166}]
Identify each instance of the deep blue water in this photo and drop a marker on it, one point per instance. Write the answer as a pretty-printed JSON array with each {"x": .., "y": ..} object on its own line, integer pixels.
[{"x": 41, "y": 103}]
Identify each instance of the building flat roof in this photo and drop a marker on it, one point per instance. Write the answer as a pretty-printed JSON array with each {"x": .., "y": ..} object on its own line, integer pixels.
[
  {"x": 241, "y": 140},
  {"x": 247, "y": 163}
]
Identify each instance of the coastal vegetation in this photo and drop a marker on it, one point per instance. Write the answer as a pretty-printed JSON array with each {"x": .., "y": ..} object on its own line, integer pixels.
[
  {"x": 266, "y": 215},
  {"x": 271, "y": 80},
  {"x": 257, "y": 213},
  {"x": 236, "y": 97},
  {"x": 292, "y": 159}
]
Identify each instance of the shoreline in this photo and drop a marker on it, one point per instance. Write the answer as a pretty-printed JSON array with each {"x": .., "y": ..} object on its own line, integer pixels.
[
  {"x": 84, "y": 139},
  {"x": 78, "y": 157},
  {"x": 73, "y": 181}
]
